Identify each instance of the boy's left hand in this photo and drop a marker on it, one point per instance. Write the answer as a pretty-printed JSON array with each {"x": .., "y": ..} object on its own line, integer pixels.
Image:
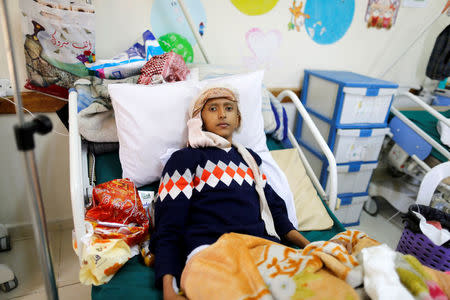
[
  {"x": 296, "y": 238},
  {"x": 346, "y": 244}
]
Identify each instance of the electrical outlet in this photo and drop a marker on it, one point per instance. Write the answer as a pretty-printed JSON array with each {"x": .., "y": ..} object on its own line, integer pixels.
[{"x": 5, "y": 88}]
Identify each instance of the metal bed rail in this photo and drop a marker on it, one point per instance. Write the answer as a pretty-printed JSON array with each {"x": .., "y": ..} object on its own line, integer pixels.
[
  {"x": 332, "y": 197},
  {"x": 78, "y": 167},
  {"x": 419, "y": 131}
]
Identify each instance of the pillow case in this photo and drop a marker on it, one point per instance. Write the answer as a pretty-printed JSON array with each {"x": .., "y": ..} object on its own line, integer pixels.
[
  {"x": 149, "y": 119},
  {"x": 311, "y": 213},
  {"x": 152, "y": 119}
]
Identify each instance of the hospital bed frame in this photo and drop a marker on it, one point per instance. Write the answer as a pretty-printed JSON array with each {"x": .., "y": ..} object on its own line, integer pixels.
[
  {"x": 397, "y": 192},
  {"x": 81, "y": 188}
]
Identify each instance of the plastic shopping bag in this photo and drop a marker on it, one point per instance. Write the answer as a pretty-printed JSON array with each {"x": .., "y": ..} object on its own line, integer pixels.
[
  {"x": 59, "y": 38},
  {"x": 102, "y": 258},
  {"x": 118, "y": 212},
  {"x": 129, "y": 62}
]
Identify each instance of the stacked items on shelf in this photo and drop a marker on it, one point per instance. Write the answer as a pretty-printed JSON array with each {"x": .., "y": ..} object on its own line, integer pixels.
[{"x": 351, "y": 113}]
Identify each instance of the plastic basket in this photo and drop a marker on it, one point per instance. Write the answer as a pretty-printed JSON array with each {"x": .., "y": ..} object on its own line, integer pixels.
[{"x": 420, "y": 246}]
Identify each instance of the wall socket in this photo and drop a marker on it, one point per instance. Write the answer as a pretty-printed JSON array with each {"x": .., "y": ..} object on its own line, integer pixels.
[{"x": 5, "y": 88}]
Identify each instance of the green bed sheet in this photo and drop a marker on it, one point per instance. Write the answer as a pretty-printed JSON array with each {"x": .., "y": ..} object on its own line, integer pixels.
[
  {"x": 136, "y": 281},
  {"x": 425, "y": 121}
]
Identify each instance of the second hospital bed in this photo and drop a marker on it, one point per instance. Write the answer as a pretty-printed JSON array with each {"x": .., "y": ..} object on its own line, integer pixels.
[
  {"x": 134, "y": 279},
  {"x": 416, "y": 139}
]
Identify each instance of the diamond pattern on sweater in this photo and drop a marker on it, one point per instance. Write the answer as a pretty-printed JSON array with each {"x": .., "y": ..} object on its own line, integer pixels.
[
  {"x": 175, "y": 184},
  {"x": 211, "y": 175}
]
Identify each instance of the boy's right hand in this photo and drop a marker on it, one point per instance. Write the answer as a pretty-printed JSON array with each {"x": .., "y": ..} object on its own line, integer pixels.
[{"x": 168, "y": 291}]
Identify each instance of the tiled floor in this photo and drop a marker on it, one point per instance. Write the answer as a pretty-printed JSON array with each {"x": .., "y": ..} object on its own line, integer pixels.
[
  {"x": 23, "y": 260},
  {"x": 386, "y": 227}
]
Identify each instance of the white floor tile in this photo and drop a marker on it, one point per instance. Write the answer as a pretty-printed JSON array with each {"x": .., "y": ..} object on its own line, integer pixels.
[
  {"x": 69, "y": 267},
  {"x": 382, "y": 227},
  {"x": 24, "y": 262},
  {"x": 69, "y": 292},
  {"x": 34, "y": 296}
]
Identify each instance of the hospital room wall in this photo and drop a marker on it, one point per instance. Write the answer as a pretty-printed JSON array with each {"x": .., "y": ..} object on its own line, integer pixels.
[
  {"x": 52, "y": 154},
  {"x": 367, "y": 51}
]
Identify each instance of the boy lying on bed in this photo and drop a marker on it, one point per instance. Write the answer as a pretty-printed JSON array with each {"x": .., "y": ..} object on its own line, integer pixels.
[{"x": 213, "y": 187}]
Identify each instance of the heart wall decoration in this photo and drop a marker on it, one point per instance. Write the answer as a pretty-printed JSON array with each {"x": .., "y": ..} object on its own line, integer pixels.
[{"x": 264, "y": 47}]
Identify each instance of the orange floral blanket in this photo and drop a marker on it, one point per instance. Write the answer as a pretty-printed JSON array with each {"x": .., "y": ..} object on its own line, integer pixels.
[{"x": 240, "y": 266}]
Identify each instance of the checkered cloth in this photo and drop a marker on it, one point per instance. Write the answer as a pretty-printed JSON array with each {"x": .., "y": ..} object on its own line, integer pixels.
[{"x": 167, "y": 67}]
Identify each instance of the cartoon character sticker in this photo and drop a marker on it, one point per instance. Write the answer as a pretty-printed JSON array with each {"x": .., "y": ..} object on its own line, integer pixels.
[
  {"x": 382, "y": 13},
  {"x": 201, "y": 28},
  {"x": 297, "y": 16}
]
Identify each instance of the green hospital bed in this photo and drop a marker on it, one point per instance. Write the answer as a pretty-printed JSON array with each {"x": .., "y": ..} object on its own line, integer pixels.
[{"x": 136, "y": 281}]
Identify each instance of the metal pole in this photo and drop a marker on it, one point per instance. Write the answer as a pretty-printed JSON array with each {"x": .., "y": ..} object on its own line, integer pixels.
[
  {"x": 35, "y": 201},
  {"x": 40, "y": 225},
  {"x": 194, "y": 31}
]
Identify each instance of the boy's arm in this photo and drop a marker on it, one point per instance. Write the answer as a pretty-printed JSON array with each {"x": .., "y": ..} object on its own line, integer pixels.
[
  {"x": 296, "y": 238},
  {"x": 168, "y": 291},
  {"x": 171, "y": 211},
  {"x": 279, "y": 212}
]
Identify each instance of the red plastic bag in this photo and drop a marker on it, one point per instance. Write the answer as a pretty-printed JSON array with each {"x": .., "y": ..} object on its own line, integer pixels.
[{"x": 118, "y": 212}]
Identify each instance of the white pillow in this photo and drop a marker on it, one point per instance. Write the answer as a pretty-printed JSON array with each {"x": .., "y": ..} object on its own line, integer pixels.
[
  {"x": 152, "y": 119},
  {"x": 149, "y": 120}
]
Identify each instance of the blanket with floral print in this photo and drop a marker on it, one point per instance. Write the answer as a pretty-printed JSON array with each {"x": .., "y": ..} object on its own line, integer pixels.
[{"x": 240, "y": 266}]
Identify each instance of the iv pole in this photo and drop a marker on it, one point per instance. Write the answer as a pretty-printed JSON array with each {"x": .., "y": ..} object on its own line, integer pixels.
[{"x": 25, "y": 143}]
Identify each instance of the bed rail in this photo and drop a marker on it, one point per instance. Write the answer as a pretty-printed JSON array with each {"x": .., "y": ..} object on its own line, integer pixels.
[
  {"x": 332, "y": 197},
  {"x": 419, "y": 131},
  {"x": 77, "y": 188}
]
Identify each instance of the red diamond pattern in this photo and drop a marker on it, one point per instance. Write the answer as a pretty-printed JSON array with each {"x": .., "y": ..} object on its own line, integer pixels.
[
  {"x": 230, "y": 171},
  {"x": 205, "y": 175},
  {"x": 218, "y": 172},
  {"x": 240, "y": 172},
  {"x": 181, "y": 183},
  {"x": 169, "y": 185},
  {"x": 250, "y": 173}
]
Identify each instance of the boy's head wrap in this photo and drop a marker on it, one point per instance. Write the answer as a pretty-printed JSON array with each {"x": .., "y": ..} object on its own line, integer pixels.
[{"x": 196, "y": 136}]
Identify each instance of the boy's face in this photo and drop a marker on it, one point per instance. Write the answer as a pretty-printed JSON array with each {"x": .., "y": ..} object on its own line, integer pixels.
[{"x": 221, "y": 116}]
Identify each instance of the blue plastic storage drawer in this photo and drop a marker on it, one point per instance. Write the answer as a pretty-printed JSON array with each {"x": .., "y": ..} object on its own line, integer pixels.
[{"x": 347, "y": 99}]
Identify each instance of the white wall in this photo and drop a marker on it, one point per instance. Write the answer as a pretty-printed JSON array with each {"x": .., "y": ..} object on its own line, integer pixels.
[
  {"x": 52, "y": 157},
  {"x": 362, "y": 50},
  {"x": 52, "y": 154}
]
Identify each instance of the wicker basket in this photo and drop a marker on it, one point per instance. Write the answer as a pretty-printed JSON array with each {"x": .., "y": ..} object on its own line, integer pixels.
[{"x": 420, "y": 246}]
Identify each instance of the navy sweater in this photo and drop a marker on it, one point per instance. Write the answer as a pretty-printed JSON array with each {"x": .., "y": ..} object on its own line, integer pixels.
[{"x": 203, "y": 194}]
